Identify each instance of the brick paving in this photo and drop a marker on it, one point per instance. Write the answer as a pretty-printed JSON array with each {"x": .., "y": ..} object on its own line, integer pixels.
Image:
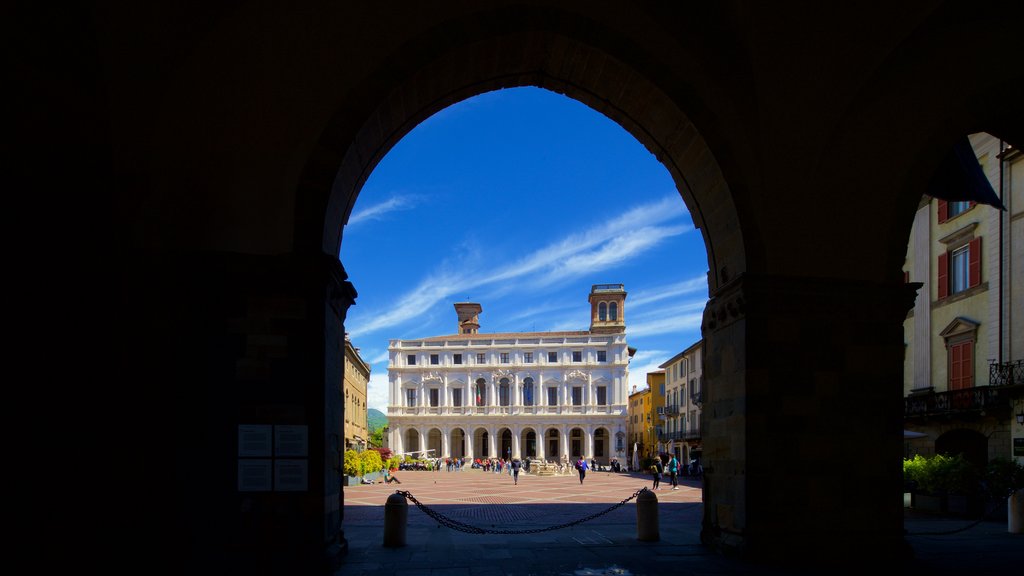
[{"x": 607, "y": 545}]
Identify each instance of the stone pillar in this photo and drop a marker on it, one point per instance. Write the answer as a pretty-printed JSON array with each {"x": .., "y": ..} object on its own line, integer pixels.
[
  {"x": 492, "y": 445},
  {"x": 541, "y": 441},
  {"x": 588, "y": 442},
  {"x": 446, "y": 444},
  {"x": 470, "y": 451},
  {"x": 813, "y": 368},
  {"x": 256, "y": 340},
  {"x": 446, "y": 402},
  {"x": 563, "y": 441},
  {"x": 516, "y": 431}
]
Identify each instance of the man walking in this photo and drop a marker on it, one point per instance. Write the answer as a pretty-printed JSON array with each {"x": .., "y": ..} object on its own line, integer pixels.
[
  {"x": 516, "y": 464},
  {"x": 673, "y": 469}
]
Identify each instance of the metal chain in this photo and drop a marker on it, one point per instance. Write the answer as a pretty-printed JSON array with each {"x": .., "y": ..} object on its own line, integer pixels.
[
  {"x": 967, "y": 527},
  {"x": 463, "y": 527}
]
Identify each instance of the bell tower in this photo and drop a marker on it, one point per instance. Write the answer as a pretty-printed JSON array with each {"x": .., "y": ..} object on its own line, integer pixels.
[
  {"x": 469, "y": 313},
  {"x": 607, "y": 308}
]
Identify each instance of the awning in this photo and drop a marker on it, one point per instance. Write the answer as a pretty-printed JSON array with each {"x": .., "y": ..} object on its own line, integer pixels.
[
  {"x": 907, "y": 434},
  {"x": 960, "y": 178}
]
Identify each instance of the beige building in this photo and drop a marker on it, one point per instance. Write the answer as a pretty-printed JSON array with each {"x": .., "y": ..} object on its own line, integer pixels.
[
  {"x": 684, "y": 380},
  {"x": 357, "y": 376},
  {"x": 540, "y": 395},
  {"x": 640, "y": 420},
  {"x": 965, "y": 335}
]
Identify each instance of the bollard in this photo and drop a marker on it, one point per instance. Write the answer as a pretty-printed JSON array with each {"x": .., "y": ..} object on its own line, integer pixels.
[
  {"x": 396, "y": 516},
  {"x": 647, "y": 517},
  {"x": 1015, "y": 512}
]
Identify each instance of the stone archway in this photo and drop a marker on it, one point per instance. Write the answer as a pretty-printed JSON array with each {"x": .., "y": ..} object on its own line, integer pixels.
[
  {"x": 973, "y": 445},
  {"x": 234, "y": 212}
]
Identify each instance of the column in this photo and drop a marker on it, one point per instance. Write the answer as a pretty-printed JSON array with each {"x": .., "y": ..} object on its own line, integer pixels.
[
  {"x": 588, "y": 442},
  {"x": 446, "y": 404},
  {"x": 396, "y": 439},
  {"x": 492, "y": 445},
  {"x": 446, "y": 448},
  {"x": 590, "y": 390},
  {"x": 563, "y": 441},
  {"x": 542, "y": 440},
  {"x": 516, "y": 433},
  {"x": 470, "y": 452},
  {"x": 785, "y": 360}
]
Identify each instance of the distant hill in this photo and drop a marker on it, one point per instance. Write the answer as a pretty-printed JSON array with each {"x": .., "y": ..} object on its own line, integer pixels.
[{"x": 375, "y": 419}]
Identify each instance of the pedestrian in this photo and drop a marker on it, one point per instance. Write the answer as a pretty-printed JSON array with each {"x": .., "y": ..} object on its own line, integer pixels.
[
  {"x": 656, "y": 470},
  {"x": 581, "y": 467},
  {"x": 516, "y": 464},
  {"x": 389, "y": 478},
  {"x": 673, "y": 469}
]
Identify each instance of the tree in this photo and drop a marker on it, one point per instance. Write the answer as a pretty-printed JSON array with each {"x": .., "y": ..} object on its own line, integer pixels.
[{"x": 377, "y": 437}]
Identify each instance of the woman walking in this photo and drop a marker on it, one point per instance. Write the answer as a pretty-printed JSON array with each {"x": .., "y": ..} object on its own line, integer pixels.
[
  {"x": 581, "y": 467},
  {"x": 656, "y": 470}
]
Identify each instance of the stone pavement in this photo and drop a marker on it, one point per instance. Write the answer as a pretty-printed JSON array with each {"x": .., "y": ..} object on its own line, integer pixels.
[{"x": 606, "y": 545}]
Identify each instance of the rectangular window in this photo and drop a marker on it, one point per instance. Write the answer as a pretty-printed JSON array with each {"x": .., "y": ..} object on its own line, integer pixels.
[
  {"x": 577, "y": 356},
  {"x": 434, "y": 360},
  {"x": 958, "y": 269},
  {"x": 577, "y": 396},
  {"x": 693, "y": 365},
  {"x": 456, "y": 358},
  {"x": 410, "y": 360},
  {"x": 602, "y": 356},
  {"x": 434, "y": 397},
  {"x": 602, "y": 396},
  {"x": 528, "y": 357},
  {"x": 553, "y": 357},
  {"x": 552, "y": 396},
  {"x": 504, "y": 357},
  {"x": 457, "y": 397},
  {"x": 961, "y": 365},
  {"x": 410, "y": 396},
  {"x": 481, "y": 358},
  {"x": 957, "y": 208}
]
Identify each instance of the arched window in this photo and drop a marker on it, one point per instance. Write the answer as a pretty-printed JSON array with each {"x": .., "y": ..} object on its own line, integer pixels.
[
  {"x": 602, "y": 311},
  {"x": 528, "y": 392},
  {"x": 613, "y": 311},
  {"x": 503, "y": 395},
  {"x": 481, "y": 392}
]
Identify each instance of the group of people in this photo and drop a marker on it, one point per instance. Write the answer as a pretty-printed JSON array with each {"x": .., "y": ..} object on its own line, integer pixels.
[{"x": 658, "y": 468}]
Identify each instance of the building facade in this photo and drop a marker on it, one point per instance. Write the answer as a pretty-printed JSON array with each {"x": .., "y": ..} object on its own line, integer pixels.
[
  {"x": 640, "y": 420},
  {"x": 964, "y": 363},
  {"x": 357, "y": 376},
  {"x": 540, "y": 395},
  {"x": 684, "y": 382}
]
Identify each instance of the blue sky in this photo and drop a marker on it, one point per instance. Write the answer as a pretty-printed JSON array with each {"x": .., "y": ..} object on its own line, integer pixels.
[{"x": 520, "y": 200}]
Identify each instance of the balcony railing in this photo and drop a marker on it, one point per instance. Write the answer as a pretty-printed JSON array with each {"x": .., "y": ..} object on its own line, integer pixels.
[
  {"x": 697, "y": 397},
  {"x": 1006, "y": 374},
  {"x": 962, "y": 401},
  {"x": 672, "y": 409},
  {"x": 691, "y": 434}
]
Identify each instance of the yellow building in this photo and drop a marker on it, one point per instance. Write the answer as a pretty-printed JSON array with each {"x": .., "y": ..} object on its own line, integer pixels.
[
  {"x": 965, "y": 335},
  {"x": 654, "y": 414},
  {"x": 357, "y": 375}
]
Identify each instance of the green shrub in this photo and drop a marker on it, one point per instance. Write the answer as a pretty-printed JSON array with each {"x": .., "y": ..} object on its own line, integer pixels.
[
  {"x": 351, "y": 466},
  {"x": 1003, "y": 476},
  {"x": 942, "y": 474},
  {"x": 371, "y": 462}
]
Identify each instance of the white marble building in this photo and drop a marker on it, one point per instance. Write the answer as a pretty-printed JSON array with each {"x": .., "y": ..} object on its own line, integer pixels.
[{"x": 537, "y": 395}]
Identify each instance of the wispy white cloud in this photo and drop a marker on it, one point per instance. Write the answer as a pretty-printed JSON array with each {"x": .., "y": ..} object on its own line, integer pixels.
[
  {"x": 611, "y": 253},
  {"x": 666, "y": 325},
  {"x": 379, "y": 211},
  {"x": 652, "y": 295},
  {"x": 645, "y": 361},
  {"x": 377, "y": 389},
  {"x": 571, "y": 257}
]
